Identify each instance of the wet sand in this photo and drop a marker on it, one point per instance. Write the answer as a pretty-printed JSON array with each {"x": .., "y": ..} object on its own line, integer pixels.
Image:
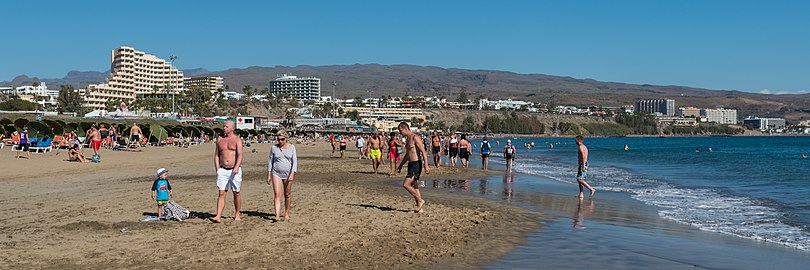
[{"x": 61, "y": 214}]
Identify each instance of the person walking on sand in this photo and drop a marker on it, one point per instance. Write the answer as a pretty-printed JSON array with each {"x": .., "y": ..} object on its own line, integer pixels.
[
  {"x": 486, "y": 149},
  {"x": 416, "y": 157},
  {"x": 464, "y": 151},
  {"x": 228, "y": 162},
  {"x": 436, "y": 148},
  {"x": 94, "y": 136},
  {"x": 360, "y": 143},
  {"x": 582, "y": 172},
  {"x": 333, "y": 142},
  {"x": 393, "y": 151},
  {"x": 342, "y": 146},
  {"x": 24, "y": 143},
  {"x": 453, "y": 149},
  {"x": 374, "y": 151},
  {"x": 509, "y": 155},
  {"x": 281, "y": 168}
]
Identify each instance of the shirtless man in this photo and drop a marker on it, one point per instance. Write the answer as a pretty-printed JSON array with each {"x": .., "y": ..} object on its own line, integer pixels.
[
  {"x": 94, "y": 137},
  {"x": 334, "y": 144},
  {"x": 135, "y": 133},
  {"x": 436, "y": 148},
  {"x": 416, "y": 157},
  {"x": 582, "y": 157},
  {"x": 228, "y": 162},
  {"x": 375, "y": 151}
]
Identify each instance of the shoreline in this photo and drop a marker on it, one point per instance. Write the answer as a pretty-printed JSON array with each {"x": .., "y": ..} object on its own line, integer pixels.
[{"x": 72, "y": 215}]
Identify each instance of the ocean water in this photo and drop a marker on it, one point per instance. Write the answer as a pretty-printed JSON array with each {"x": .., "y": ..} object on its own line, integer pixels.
[{"x": 750, "y": 187}]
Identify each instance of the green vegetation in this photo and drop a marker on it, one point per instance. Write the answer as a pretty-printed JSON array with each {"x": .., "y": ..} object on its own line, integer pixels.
[
  {"x": 638, "y": 124},
  {"x": 607, "y": 129},
  {"x": 18, "y": 105},
  {"x": 509, "y": 124},
  {"x": 69, "y": 100},
  {"x": 703, "y": 129}
]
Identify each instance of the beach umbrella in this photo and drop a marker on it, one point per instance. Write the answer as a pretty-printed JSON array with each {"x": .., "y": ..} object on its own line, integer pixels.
[
  {"x": 20, "y": 123},
  {"x": 219, "y": 131},
  {"x": 157, "y": 133},
  {"x": 55, "y": 126},
  {"x": 39, "y": 130},
  {"x": 73, "y": 127},
  {"x": 208, "y": 131},
  {"x": 193, "y": 131},
  {"x": 83, "y": 128},
  {"x": 6, "y": 121}
]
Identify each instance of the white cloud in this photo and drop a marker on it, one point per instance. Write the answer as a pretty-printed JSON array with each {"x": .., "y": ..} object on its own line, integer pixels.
[{"x": 797, "y": 92}]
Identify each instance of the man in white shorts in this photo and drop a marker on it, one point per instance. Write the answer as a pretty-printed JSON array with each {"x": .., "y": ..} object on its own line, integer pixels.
[{"x": 228, "y": 161}]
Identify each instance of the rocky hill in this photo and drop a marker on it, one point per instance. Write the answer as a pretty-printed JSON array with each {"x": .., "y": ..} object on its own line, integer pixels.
[{"x": 397, "y": 80}]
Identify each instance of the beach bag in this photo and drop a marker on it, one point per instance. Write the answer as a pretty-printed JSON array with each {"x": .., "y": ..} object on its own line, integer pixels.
[
  {"x": 96, "y": 158},
  {"x": 173, "y": 211},
  {"x": 485, "y": 149}
]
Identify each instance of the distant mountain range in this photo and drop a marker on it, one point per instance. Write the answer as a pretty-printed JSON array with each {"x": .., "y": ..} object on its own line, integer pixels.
[{"x": 398, "y": 80}]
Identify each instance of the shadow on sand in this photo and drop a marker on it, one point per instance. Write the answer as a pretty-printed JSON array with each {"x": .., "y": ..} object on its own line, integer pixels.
[{"x": 381, "y": 208}]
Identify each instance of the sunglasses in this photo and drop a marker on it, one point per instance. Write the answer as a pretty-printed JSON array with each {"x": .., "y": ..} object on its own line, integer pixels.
[{"x": 281, "y": 139}]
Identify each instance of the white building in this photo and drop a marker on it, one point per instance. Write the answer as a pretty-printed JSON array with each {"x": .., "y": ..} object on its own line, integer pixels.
[
  {"x": 134, "y": 74},
  {"x": 665, "y": 107},
  {"x": 232, "y": 95},
  {"x": 509, "y": 104},
  {"x": 298, "y": 88},
  {"x": 764, "y": 124},
  {"x": 210, "y": 83},
  {"x": 720, "y": 116},
  {"x": 38, "y": 94}
]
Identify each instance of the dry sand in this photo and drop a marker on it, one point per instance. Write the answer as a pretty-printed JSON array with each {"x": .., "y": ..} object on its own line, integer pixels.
[{"x": 61, "y": 214}]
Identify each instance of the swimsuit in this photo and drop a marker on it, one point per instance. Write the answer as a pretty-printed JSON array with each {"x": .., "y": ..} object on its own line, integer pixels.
[
  {"x": 227, "y": 180},
  {"x": 414, "y": 169},
  {"x": 582, "y": 171},
  {"x": 374, "y": 153},
  {"x": 392, "y": 151}
]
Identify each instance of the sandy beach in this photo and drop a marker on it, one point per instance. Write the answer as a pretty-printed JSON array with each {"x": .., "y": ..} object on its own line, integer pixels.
[{"x": 63, "y": 214}]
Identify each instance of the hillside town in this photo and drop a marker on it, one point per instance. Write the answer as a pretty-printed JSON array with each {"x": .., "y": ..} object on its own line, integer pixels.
[{"x": 144, "y": 86}]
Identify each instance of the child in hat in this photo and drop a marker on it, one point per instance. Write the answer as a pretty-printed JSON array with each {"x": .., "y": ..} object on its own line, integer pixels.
[{"x": 161, "y": 190}]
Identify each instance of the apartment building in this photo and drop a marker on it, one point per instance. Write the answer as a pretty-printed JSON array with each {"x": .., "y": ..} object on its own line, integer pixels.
[
  {"x": 308, "y": 88},
  {"x": 664, "y": 107},
  {"x": 134, "y": 74},
  {"x": 210, "y": 83},
  {"x": 689, "y": 111},
  {"x": 720, "y": 116}
]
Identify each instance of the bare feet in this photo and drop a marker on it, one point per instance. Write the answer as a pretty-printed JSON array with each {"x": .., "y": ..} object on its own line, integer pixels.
[
  {"x": 580, "y": 195},
  {"x": 592, "y": 192},
  {"x": 237, "y": 218},
  {"x": 216, "y": 220},
  {"x": 419, "y": 206}
]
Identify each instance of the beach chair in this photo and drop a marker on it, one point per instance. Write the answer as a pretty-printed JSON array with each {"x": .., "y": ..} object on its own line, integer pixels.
[
  {"x": 43, "y": 145},
  {"x": 58, "y": 141}
]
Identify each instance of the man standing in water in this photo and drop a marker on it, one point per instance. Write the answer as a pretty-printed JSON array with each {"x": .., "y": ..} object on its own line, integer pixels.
[
  {"x": 416, "y": 157},
  {"x": 582, "y": 157},
  {"x": 436, "y": 147},
  {"x": 228, "y": 162},
  {"x": 375, "y": 151}
]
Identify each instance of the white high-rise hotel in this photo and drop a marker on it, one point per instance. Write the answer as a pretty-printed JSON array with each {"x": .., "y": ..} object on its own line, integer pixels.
[{"x": 134, "y": 74}]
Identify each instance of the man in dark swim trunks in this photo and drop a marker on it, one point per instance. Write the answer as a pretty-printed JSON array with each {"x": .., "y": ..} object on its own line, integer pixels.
[
  {"x": 436, "y": 147},
  {"x": 415, "y": 156}
]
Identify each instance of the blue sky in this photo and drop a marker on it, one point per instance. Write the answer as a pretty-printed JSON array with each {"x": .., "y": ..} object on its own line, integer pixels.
[{"x": 742, "y": 45}]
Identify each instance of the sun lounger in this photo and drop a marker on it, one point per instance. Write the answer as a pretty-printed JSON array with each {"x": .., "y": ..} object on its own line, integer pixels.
[{"x": 41, "y": 145}]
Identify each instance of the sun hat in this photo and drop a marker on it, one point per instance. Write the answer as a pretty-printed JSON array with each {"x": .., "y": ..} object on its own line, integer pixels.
[
  {"x": 508, "y": 141},
  {"x": 162, "y": 171}
]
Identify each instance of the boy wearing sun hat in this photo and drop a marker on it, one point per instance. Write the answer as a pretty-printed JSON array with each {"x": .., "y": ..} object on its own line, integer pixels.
[{"x": 161, "y": 189}]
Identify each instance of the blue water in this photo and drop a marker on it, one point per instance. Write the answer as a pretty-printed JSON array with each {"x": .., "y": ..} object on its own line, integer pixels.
[{"x": 750, "y": 187}]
